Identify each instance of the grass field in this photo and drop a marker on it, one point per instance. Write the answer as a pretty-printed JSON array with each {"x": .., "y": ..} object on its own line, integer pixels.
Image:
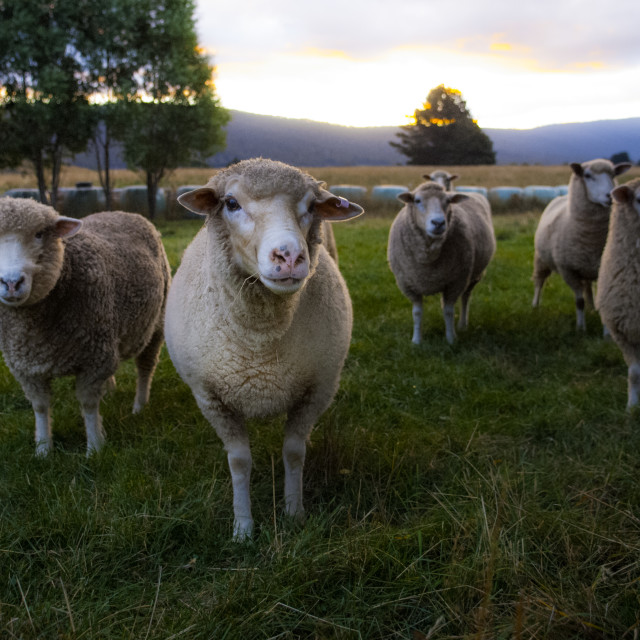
[{"x": 486, "y": 490}]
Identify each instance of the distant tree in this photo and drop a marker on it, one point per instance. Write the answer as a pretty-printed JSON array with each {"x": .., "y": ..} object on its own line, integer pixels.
[
  {"x": 621, "y": 156},
  {"x": 444, "y": 132},
  {"x": 175, "y": 116},
  {"x": 45, "y": 115},
  {"x": 108, "y": 34}
]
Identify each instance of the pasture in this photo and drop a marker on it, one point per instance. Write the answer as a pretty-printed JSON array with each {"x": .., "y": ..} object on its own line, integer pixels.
[{"x": 482, "y": 490}]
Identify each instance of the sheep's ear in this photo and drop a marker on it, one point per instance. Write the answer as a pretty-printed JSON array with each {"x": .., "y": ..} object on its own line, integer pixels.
[
  {"x": 622, "y": 194},
  {"x": 576, "y": 167},
  {"x": 455, "y": 176},
  {"x": 203, "y": 201},
  {"x": 427, "y": 177},
  {"x": 67, "y": 227},
  {"x": 406, "y": 196},
  {"x": 335, "y": 208},
  {"x": 621, "y": 168},
  {"x": 458, "y": 197}
]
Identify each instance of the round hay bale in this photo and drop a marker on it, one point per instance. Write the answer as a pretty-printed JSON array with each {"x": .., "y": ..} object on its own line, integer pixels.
[
  {"x": 540, "y": 193},
  {"x": 387, "y": 192},
  {"x": 34, "y": 194},
  {"x": 83, "y": 200},
  {"x": 467, "y": 189},
  {"x": 134, "y": 199},
  {"x": 503, "y": 195}
]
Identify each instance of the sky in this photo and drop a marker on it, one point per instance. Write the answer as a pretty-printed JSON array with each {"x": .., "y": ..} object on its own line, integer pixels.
[{"x": 519, "y": 64}]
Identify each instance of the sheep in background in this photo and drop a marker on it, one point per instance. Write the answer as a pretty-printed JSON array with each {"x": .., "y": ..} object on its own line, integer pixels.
[
  {"x": 443, "y": 178},
  {"x": 259, "y": 318},
  {"x": 617, "y": 297},
  {"x": 573, "y": 229},
  {"x": 440, "y": 243},
  {"x": 76, "y": 298}
]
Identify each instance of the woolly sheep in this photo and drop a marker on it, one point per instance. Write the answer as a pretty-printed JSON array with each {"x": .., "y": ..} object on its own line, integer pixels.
[
  {"x": 443, "y": 178},
  {"x": 77, "y": 297},
  {"x": 619, "y": 281},
  {"x": 573, "y": 229},
  {"x": 258, "y": 319},
  {"x": 440, "y": 243}
]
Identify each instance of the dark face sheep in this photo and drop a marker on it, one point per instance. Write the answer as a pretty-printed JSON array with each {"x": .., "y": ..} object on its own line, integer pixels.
[{"x": 31, "y": 251}]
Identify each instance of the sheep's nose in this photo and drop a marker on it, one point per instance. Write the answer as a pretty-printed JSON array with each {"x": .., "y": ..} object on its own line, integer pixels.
[
  {"x": 438, "y": 225},
  {"x": 291, "y": 258},
  {"x": 13, "y": 286}
]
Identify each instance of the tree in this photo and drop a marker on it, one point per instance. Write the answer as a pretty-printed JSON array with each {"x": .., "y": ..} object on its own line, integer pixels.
[
  {"x": 45, "y": 113},
  {"x": 175, "y": 116},
  {"x": 621, "y": 156},
  {"x": 444, "y": 133},
  {"x": 108, "y": 33}
]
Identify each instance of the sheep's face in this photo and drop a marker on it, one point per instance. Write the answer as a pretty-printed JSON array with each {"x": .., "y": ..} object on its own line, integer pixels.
[
  {"x": 31, "y": 251},
  {"x": 431, "y": 208},
  {"x": 598, "y": 177},
  {"x": 269, "y": 231},
  {"x": 443, "y": 178}
]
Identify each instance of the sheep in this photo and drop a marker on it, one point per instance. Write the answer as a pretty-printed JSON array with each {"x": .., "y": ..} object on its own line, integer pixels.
[
  {"x": 619, "y": 281},
  {"x": 572, "y": 232},
  {"x": 443, "y": 178},
  {"x": 440, "y": 242},
  {"x": 77, "y": 297},
  {"x": 258, "y": 319}
]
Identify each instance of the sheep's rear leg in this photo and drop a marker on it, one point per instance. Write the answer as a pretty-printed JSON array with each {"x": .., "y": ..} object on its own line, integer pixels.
[
  {"x": 233, "y": 433},
  {"x": 540, "y": 274},
  {"x": 146, "y": 363},
  {"x": 634, "y": 385},
  {"x": 89, "y": 394},
  {"x": 416, "y": 311},
  {"x": 463, "y": 321}
]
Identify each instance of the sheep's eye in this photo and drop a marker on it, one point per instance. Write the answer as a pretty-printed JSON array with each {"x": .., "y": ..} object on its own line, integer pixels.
[
  {"x": 417, "y": 200},
  {"x": 232, "y": 204},
  {"x": 588, "y": 176},
  {"x": 39, "y": 235},
  {"x": 312, "y": 208}
]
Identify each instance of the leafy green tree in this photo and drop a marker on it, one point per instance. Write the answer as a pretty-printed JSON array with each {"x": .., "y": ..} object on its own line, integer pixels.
[
  {"x": 45, "y": 115},
  {"x": 108, "y": 34},
  {"x": 175, "y": 116},
  {"x": 444, "y": 132}
]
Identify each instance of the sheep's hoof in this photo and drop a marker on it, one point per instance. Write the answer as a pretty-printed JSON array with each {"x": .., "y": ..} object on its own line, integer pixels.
[
  {"x": 42, "y": 448},
  {"x": 242, "y": 529}
]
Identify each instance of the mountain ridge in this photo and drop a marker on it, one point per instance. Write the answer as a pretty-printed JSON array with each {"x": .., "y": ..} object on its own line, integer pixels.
[{"x": 309, "y": 143}]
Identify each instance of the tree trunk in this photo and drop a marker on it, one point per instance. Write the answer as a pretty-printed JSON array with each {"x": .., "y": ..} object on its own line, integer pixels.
[
  {"x": 38, "y": 165},
  {"x": 152, "y": 187}
]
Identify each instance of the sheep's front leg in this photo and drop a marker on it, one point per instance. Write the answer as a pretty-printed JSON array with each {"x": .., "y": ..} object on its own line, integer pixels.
[
  {"x": 297, "y": 429},
  {"x": 233, "y": 433},
  {"x": 89, "y": 393},
  {"x": 416, "y": 311},
  {"x": 448, "y": 311},
  {"x": 39, "y": 394}
]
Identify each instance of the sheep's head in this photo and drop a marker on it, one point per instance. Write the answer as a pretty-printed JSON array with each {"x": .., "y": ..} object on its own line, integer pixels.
[
  {"x": 628, "y": 194},
  {"x": 443, "y": 178},
  {"x": 31, "y": 250},
  {"x": 599, "y": 178},
  {"x": 270, "y": 210},
  {"x": 431, "y": 207}
]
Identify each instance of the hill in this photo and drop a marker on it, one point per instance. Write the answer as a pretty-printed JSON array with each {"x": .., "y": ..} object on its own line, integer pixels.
[{"x": 317, "y": 144}]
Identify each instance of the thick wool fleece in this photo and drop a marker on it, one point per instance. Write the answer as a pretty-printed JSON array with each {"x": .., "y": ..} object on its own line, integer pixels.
[
  {"x": 237, "y": 343},
  {"x": 572, "y": 232},
  {"x": 105, "y": 305},
  {"x": 617, "y": 297},
  {"x": 425, "y": 266}
]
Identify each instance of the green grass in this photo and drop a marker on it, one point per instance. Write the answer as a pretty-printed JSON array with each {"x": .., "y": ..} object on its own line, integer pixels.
[{"x": 482, "y": 490}]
